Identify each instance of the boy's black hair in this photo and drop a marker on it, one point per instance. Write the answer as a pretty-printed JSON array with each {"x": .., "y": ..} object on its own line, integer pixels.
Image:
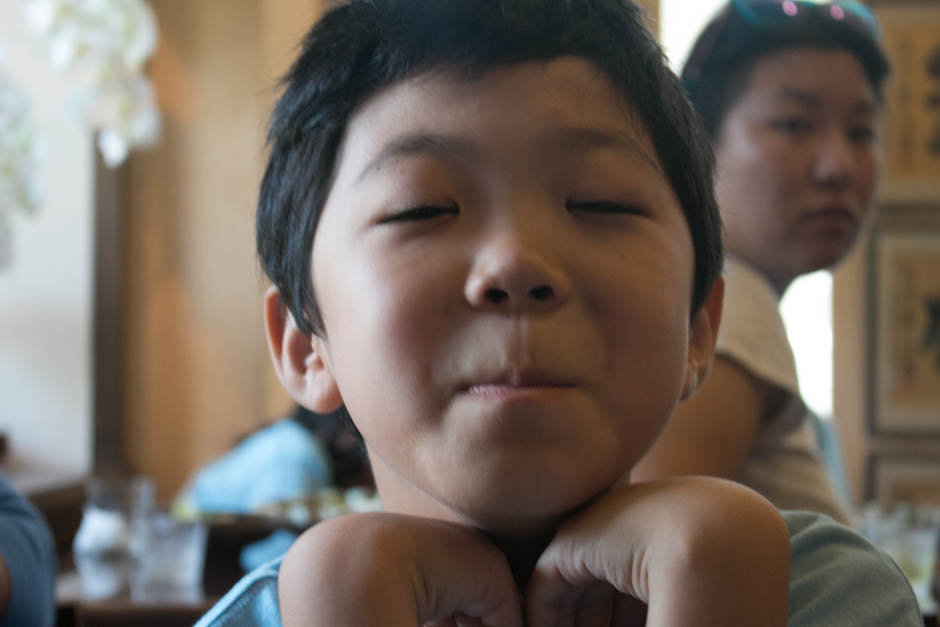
[
  {"x": 718, "y": 68},
  {"x": 361, "y": 46}
]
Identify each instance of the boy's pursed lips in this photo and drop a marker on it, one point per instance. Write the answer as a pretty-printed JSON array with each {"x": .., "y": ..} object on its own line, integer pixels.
[{"x": 516, "y": 378}]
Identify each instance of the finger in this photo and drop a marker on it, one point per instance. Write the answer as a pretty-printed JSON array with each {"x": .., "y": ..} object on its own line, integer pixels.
[
  {"x": 461, "y": 575},
  {"x": 549, "y": 599},
  {"x": 565, "y": 612},
  {"x": 628, "y": 611},
  {"x": 458, "y": 620},
  {"x": 479, "y": 597},
  {"x": 462, "y": 620},
  {"x": 552, "y": 600},
  {"x": 594, "y": 605},
  {"x": 573, "y": 606}
]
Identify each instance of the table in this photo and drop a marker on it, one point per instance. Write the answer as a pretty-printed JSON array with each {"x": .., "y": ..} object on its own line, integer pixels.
[{"x": 222, "y": 571}]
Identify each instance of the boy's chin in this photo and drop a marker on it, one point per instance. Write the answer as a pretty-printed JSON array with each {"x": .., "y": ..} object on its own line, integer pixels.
[
  {"x": 531, "y": 510},
  {"x": 506, "y": 502},
  {"x": 523, "y": 524}
]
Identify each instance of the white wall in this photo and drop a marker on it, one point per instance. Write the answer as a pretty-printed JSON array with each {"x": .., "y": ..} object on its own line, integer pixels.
[
  {"x": 680, "y": 22},
  {"x": 46, "y": 293}
]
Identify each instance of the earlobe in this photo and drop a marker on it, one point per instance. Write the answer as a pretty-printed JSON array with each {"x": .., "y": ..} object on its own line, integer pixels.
[
  {"x": 703, "y": 337},
  {"x": 299, "y": 358}
]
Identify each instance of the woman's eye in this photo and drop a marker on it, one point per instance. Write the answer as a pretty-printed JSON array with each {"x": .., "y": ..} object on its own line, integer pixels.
[
  {"x": 862, "y": 134},
  {"x": 793, "y": 126},
  {"x": 418, "y": 214},
  {"x": 603, "y": 207}
]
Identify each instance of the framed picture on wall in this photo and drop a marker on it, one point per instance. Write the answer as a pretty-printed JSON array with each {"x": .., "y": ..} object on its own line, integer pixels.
[
  {"x": 905, "y": 332},
  {"x": 913, "y": 479},
  {"x": 911, "y": 38}
]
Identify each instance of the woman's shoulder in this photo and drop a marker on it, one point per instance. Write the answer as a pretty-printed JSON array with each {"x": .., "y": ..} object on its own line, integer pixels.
[{"x": 752, "y": 332}]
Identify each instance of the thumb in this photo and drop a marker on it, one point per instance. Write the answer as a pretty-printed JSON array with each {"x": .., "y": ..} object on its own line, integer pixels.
[
  {"x": 464, "y": 579},
  {"x": 569, "y": 588}
]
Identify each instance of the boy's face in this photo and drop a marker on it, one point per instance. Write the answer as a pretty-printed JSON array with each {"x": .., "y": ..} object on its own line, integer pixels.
[{"x": 504, "y": 275}]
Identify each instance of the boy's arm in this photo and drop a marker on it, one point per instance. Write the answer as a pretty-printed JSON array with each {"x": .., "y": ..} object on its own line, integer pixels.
[
  {"x": 713, "y": 432},
  {"x": 698, "y": 551},
  {"x": 394, "y": 570}
]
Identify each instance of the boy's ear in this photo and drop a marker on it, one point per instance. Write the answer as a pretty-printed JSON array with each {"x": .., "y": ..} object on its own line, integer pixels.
[
  {"x": 299, "y": 358},
  {"x": 703, "y": 336}
]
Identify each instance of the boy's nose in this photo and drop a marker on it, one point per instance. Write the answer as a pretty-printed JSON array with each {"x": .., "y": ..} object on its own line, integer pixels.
[{"x": 511, "y": 277}]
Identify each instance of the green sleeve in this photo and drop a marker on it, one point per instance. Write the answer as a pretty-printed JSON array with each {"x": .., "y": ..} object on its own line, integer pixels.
[{"x": 839, "y": 579}]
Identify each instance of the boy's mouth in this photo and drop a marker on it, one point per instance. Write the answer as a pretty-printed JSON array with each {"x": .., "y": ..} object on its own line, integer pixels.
[{"x": 516, "y": 379}]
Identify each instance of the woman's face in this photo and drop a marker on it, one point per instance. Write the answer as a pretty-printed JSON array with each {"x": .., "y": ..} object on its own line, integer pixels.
[{"x": 798, "y": 162}]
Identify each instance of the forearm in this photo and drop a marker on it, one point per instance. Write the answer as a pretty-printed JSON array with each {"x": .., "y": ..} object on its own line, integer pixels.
[
  {"x": 333, "y": 575},
  {"x": 389, "y": 569},
  {"x": 699, "y": 551}
]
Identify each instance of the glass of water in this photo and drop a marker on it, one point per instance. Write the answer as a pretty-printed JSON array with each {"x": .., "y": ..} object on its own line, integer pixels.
[{"x": 170, "y": 564}]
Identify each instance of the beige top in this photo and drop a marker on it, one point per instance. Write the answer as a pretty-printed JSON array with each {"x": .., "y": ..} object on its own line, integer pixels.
[{"x": 784, "y": 465}]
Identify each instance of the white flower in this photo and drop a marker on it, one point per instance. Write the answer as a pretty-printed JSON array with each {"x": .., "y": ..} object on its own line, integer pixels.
[
  {"x": 141, "y": 36},
  {"x": 19, "y": 164},
  {"x": 19, "y": 153},
  {"x": 113, "y": 146},
  {"x": 41, "y": 15},
  {"x": 6, "y": 241},
  {"x": 103, "y": 45}
]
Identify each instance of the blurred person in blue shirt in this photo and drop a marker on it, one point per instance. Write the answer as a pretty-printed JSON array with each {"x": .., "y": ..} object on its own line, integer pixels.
[{"x": 27, "y": 562}]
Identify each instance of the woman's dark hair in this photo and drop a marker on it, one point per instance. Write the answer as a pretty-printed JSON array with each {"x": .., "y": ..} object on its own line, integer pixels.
[
  {"x": 361, "y": 46},
  {"x": 718, "y": 68}
]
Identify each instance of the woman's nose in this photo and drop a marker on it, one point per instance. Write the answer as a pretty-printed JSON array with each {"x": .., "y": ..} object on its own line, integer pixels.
[
  {"x": 514, "y": 274},
  {"x": 836, "y": 162}
]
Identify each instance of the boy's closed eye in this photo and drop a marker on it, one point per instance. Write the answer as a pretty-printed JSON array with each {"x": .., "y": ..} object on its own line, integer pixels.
[
  {"x": 605, "y": 207},
  {"x": 424, "y": 213},
  {"x": 419, "y": 213}
]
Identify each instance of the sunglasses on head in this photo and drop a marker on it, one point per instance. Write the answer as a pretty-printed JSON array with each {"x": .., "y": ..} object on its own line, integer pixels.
[
  {"x": 794, "y": 13},
  {"x": 780, "y": 16}
]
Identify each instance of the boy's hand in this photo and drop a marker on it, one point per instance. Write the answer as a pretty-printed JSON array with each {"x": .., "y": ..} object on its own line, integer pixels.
[
  {"x": 393, "y": 570},
  {"x": 697, "y": 551}
]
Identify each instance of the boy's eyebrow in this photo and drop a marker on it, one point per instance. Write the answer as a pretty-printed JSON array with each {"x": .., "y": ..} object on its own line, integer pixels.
[
  {"x": 417, "y": 144},
  {"x": 567, "y": 139},
  {"x": 584, "y": 138}
]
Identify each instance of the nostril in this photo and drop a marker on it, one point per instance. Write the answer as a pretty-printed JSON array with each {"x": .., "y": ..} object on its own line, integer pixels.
[
  {"x": 541, "y": 293},
  {"x": 496, "y": 296}
]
